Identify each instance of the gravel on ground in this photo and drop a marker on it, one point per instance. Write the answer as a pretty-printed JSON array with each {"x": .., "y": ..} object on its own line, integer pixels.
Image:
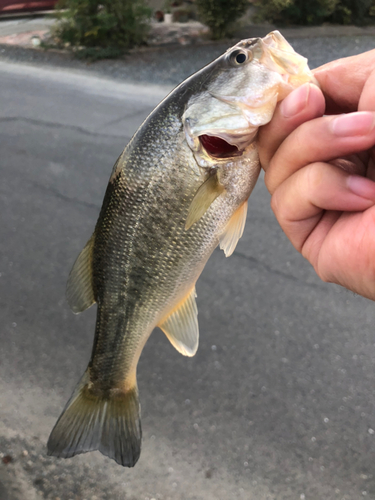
[{"x": 172, "y": 64}]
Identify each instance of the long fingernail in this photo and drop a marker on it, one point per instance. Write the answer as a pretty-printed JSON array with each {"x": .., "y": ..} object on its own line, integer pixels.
[
  {"x": 295, "y": 102},
  {"x": 352, "y": 124},
  {"x": 361, "y": 186}
]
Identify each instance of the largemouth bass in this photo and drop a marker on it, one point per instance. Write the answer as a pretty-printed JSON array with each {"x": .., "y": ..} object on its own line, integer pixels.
[{"x": 178, "y": 190}]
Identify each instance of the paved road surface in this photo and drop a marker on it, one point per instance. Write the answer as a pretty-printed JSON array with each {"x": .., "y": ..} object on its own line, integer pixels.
[{"x": 277, "y": 404}]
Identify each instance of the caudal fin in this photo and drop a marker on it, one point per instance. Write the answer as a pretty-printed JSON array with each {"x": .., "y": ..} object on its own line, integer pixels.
[{"x": 90, "y": 422}]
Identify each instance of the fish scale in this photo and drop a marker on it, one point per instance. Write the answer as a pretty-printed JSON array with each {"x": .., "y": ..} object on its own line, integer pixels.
[
  {"x": 178, "y": 190},
  {"x": 145, "y": 239}
]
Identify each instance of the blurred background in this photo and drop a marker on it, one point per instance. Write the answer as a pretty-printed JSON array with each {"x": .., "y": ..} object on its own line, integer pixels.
[{"x": 279, "y": 401}]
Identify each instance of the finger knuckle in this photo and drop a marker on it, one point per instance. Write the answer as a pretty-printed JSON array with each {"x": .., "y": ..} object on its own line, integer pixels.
[
  {"x": 280, "y": 208},
  {"x": 268, "y": 181},
  {"x": 275, "y": 206},
  {"x": 314, "y": 174}
]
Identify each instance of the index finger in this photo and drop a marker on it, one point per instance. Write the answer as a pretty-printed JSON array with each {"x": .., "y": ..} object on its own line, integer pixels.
[
  {"x": 342, "y": 81},
  {"x": 301, "y": 105},
  {"x": 321, "y": 140}
]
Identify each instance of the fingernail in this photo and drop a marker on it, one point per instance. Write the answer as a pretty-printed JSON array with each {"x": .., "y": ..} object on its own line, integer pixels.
[
  {"x": 360, "y": 123},
  {"x": 295, "y": 102},
  {"x": 361, "y": 186}
]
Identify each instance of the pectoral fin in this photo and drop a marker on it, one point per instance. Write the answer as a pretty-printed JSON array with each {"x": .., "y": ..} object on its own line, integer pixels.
[
  {"x": 79, "y": 289},
  {"x": 181, "y": 326},
  {"x": 206, "y": 194},
  {"x": 234, "y": 230}
]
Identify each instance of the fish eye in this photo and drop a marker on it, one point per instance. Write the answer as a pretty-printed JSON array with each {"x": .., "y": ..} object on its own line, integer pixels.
[{"x": 239, "y": 57}]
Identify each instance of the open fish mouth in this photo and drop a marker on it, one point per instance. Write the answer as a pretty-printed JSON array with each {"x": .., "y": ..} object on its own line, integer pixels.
[
  {"x": 210, "y": 149},
  {"x": 218, "y": 148},
  {"x": 212, "y": 146}
]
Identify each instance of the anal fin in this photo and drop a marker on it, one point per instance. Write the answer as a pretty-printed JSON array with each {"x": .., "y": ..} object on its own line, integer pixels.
[
  {"x": 233, "y": 230},
  {"x": 79, "y": 289},
  {"x": 181, "y": 326}
]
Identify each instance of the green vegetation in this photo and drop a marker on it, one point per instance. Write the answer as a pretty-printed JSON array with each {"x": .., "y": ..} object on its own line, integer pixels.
[
  {"x": 314, "y": 12},
  {"x": 98, "y": 29},
  {"x": 218, "y": 15},
  {"x": 354, "y": 12}
]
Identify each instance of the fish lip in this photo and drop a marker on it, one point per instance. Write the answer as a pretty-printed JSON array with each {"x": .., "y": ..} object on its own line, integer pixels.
[{"x": 279, "y": 55}]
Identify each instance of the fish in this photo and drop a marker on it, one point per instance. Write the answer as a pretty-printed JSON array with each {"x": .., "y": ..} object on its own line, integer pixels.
[{"x": 178, "y": 190}]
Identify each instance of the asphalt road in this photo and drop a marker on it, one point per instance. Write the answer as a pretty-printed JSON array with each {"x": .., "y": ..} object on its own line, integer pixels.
[{"x": 277, "y": 404}]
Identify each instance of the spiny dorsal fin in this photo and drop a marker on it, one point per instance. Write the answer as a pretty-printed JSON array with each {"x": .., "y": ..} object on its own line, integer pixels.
[
  {"x": 206, "y": 194},
  {"x": 79, "y": 289},
  {"x": 233, "y": 230},
  {"x": 181, "y": 326}
]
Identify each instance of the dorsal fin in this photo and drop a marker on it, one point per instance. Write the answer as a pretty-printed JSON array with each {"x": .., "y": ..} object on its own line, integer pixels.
[
  {"x": 206, "y": 194},
  {"x": 233, "y": 230},
  {"x": 181, "y": 326},
  {"x": 79, "y": 289}
]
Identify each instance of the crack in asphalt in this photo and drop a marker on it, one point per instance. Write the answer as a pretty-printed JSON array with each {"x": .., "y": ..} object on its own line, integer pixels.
[
  {"x": 50, "y": 190},
  {"x": 60, "y": 195},
  {"x": 256, "y": 263},
  {"x": 271, "y": 270},
  {"x": 130, "y": 115},
  {"x": 43, "y": 123}
]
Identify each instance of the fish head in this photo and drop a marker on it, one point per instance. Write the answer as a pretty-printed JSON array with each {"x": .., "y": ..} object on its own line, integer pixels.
[{"x": 238, "y": 94}]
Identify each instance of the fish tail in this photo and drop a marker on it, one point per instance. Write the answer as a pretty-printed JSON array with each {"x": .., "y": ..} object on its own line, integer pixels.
[{"x": 91, "y": 421}]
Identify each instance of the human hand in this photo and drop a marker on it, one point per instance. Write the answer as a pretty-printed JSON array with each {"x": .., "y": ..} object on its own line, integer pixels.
[{"x": 320, "y": 171}]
